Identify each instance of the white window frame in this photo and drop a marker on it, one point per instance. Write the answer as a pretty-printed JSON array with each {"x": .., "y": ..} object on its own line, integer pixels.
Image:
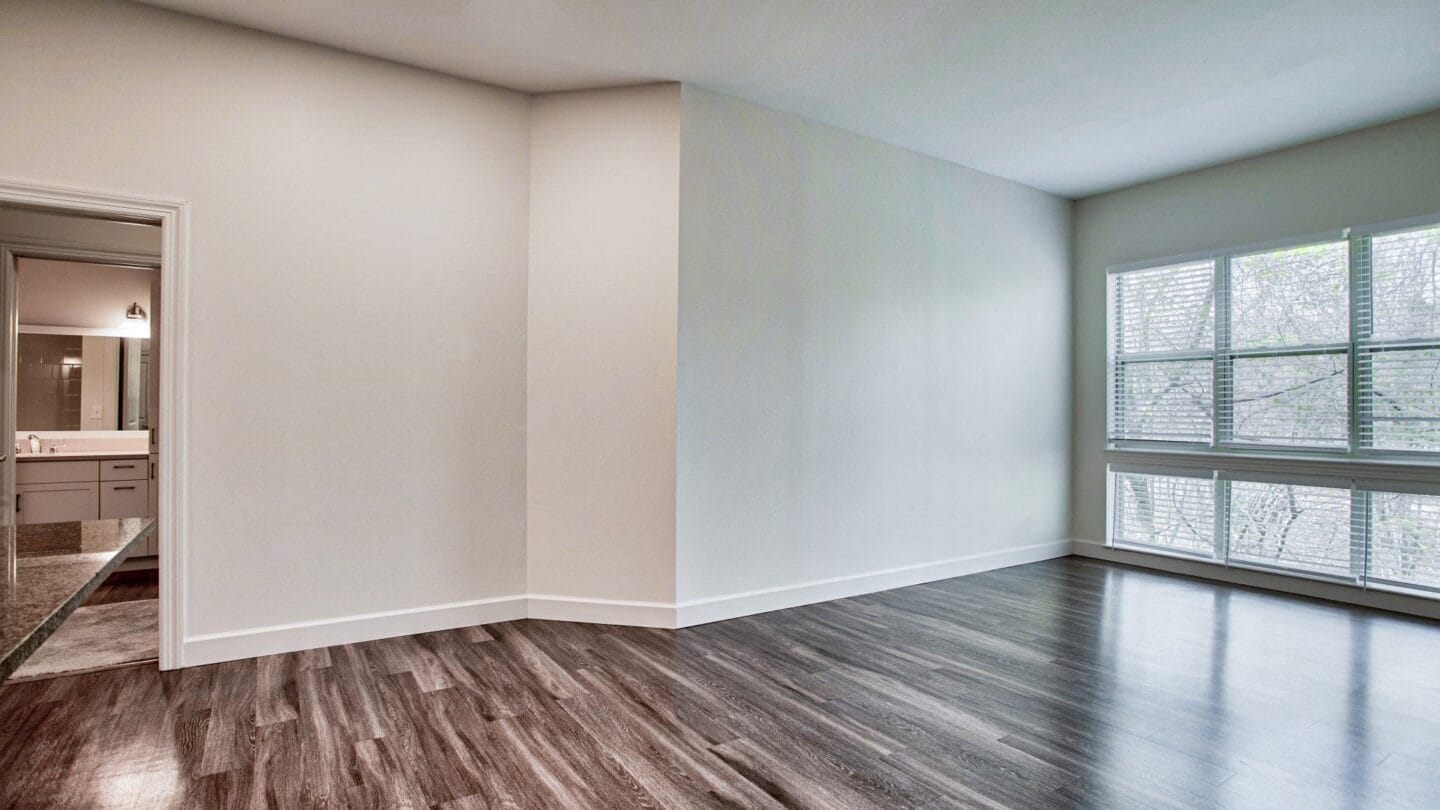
[{"x": 1361, "y": 469}]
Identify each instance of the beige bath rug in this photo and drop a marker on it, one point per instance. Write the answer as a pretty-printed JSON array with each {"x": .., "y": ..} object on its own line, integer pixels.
[{"x": 97, "y": 637}]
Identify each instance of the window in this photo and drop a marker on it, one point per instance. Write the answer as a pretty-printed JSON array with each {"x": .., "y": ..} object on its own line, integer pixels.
[
  {"x": 1292, "y": 395},
  {"x": 1163, "y": 320},
  {"x": 1398, "y": 335}
]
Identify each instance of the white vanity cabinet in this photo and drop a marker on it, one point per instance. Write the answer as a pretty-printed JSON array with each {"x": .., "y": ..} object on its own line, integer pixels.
[
  {"x": 55, "y": 490},
  {"x": 58, "y": 502},
  {"x": 124, "y": 490}
]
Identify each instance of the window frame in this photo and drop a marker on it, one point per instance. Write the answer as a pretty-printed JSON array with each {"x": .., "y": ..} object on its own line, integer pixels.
[
  {"x": 1222, "y": 360},
  {"x": 1367, "y": 469}
]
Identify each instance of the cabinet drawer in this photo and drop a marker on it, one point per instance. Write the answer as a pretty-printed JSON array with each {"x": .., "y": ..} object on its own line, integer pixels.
[
  {"x": 57, "y": 503},
  {"x": 120, "y": 499},
  {"x": 56, "y": 472},
  {"x": 124, "y": 469}
]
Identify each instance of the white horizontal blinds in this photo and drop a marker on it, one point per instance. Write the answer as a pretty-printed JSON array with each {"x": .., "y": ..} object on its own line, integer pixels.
[
  {"x": 1166, "y": 309},
  {"x": 1293, "y": 297},
  {"x": 1165, "y": 400},
  {"x": 1163, "y": 333},
  {"x": 1170, "y": 512},
  {"x": 1404, "y": 539},
  {"x": 1291, "y": 526},
  {"x": 1398, "y": 347},
  {"x": 1363, "y": 532},
  {"x": 1328, "y": 346},
  {"x": 1400, "y": 399},
  {"x": 1405, "y": 284},
  {"x": 1291, "y": 400},
  {"x": 1287, "y": 357}
]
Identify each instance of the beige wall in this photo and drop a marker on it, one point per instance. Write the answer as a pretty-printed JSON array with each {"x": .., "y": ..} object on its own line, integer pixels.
[
  {"x": 90, "y": 296},
  {"x": 1385, "y": 173},
  {"x": 100, "y": 385},
  {"x": 604, "y": 237},
  {"x": 356, "y": 301}
]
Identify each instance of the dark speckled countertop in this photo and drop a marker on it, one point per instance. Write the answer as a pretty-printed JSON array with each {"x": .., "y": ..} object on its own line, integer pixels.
[{"x": 49, "y": 569}]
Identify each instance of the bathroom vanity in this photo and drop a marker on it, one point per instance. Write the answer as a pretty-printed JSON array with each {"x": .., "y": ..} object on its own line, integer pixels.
[{"x": 71, "y": 486}]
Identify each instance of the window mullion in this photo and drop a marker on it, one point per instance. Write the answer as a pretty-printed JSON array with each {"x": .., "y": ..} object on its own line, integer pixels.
[
  {"x": 1360, "y": 318},
  {"x": 1360, "y": 535},
  {"x": 1223, "y": 367},
  {"x": 1361, "y": 329},
  {"x": 1222, "y": 520}
]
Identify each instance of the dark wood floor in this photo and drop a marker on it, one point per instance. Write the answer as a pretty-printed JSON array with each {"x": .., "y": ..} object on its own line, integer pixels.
[
  {"x": 127, "y": 586},
  {"x": 1060, "y": 684}
]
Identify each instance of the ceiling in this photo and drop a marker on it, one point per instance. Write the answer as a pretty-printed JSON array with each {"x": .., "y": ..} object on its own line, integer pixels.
[{"x": 1074, "y": 97}]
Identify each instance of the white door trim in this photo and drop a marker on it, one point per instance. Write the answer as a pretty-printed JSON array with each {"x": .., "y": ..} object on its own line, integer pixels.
[{"x": 174, "y": 219}]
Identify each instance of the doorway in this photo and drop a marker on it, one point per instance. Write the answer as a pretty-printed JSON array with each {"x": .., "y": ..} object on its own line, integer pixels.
[{"x": 110, "y": 391}]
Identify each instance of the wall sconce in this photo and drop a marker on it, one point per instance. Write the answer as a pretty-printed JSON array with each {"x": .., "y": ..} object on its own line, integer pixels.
[{"x": 135, "y": 312}]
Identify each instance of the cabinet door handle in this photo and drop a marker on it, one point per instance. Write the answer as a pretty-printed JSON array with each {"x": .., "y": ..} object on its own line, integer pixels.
[
  {"x": 120, "y": 488},
  {"x": 117, "y": 466}
]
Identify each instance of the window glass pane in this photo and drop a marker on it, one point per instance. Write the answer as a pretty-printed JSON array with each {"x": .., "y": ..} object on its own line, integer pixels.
[
  {"x": 1405, "y": 540},
  {"x": 1166, "y": 309},
  {"x": 1299, "y": 401},
  {"x": 1291, "y": 526},
  {"x": 1400, "y": 399},
  {"x": 1405, "y": 279},
  {"x": 1291, "y": 297},
  {"x": 1166, "y": 512},
  {"x": 1163, "y": 400}
]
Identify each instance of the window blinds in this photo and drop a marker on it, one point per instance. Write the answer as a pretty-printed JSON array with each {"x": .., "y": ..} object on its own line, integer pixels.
[
  {"x": 1332, "y": 348},
  {"x": 1162, "y": 370},
  {"x": 1165, "y": 511},
  {"x": 1353, "y": 532},
  {"x": 1398, "y": 341},
  {"x": 1283, "y": 349}
]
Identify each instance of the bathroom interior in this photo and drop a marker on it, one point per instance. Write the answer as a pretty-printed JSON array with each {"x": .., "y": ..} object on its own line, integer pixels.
[{"x": 85, "y": 385}]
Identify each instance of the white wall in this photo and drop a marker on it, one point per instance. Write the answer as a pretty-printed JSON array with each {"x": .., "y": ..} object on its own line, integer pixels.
[
  {"x": 604, "y": 238},
  {"x": 761, "y": 352},
  {"x": 1385, "y": 173},
  {"x": 357, "y": 303},
  {"x": 93, "y": 296},
  {"x": 874, "y": 360}
]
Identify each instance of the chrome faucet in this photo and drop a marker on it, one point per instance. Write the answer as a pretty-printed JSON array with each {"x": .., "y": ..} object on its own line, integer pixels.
[{"x": 34, "y": 443}]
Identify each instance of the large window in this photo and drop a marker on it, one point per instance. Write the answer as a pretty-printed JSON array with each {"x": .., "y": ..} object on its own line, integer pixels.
[{"x": 1279, "y": 408}]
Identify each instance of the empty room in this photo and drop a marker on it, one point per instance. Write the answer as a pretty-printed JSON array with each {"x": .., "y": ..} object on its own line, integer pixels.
[{"x": 699, "y": 403}]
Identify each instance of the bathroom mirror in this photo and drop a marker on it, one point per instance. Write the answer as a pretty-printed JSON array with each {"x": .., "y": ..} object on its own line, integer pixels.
[{"x": 81, "y": 382}]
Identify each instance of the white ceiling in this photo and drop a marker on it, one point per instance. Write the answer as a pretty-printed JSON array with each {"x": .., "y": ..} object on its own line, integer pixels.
[{"x": 1071, "y": 96}]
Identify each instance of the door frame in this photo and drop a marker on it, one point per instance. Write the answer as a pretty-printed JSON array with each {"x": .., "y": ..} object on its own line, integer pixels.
[{"x": 173, "y": 217}]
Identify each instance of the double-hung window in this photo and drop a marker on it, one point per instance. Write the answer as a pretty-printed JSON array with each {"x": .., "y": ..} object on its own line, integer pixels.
[{"x": 1279, "y": 407}]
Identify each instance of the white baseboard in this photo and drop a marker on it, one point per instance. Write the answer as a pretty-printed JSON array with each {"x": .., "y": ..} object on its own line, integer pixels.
[
  {"x": 719, "y": 608},
  {"x": 600, "y": 611},
  {"x": 217, "y": 647},
  {"x": 229, "y": 646}
]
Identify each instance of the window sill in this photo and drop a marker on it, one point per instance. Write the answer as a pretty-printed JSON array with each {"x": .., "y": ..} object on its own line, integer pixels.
[{"x": 1386, "y": 468}]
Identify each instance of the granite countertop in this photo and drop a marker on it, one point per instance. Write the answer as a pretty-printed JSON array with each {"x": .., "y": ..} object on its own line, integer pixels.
[
  {"x": 47, "y": 570},
  {"x": 81, "y": 455}
]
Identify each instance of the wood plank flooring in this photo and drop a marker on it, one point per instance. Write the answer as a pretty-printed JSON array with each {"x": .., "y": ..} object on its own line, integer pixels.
[
  {"x": 1068, "y": 683},
  {"x": 127, "y": 586}
]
